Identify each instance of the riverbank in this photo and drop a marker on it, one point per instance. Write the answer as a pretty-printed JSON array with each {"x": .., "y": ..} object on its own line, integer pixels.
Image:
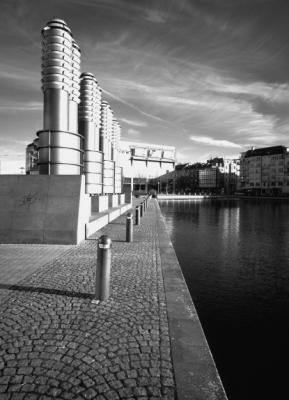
[
  {"x": 234, "y": 257},
  {"x": 200, "y": 197},
  {"x": 145, "y": 342}
]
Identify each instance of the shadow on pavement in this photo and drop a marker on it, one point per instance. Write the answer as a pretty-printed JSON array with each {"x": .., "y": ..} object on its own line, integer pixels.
[{"x": 58, "y": 292}]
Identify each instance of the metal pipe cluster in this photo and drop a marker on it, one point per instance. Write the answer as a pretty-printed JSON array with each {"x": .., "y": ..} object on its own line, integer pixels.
[
  {"x": 106, "y": 132},
  {"x": 116, "y": 130},
  {"x": 74, "y": 98},
  {"x": 59, "y": 142},
  {"x": 106, "y": 128},
  {"x": 80, "y": 133},
  {"x": 89, "y": 120}
]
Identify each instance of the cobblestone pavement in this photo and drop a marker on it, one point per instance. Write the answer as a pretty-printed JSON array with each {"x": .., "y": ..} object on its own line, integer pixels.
[
  {"x": 19, "y": 260},
  {"x": 56, "y": 343}
]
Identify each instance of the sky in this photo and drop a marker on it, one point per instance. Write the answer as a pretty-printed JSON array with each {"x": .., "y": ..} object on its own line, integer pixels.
[{"x": 210, "y": 77}]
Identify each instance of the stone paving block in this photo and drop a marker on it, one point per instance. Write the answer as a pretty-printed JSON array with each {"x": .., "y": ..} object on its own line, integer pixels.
[{"x": 67, "y": 346}]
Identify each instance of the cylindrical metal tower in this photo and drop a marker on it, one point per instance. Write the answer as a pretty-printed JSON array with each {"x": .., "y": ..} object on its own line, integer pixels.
[
  {"x": 74, "y": 99},
  {"x": 116, "y": 132},
  {"x": 59, "y": 141},
  {"x": 106, "y": 127},
  {"x": 89, "y": 117}
]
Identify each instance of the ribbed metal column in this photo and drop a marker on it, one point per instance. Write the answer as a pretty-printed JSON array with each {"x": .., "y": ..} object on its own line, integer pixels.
[
  {"x": 59, "y": 141},
  {"x": 74, "y": 98},
  {"x": 89, "y": 116},
  {"x": 116, "y": 133},
  {"x": 56, "y": 74},
  {"x": 106, "y": 129}
]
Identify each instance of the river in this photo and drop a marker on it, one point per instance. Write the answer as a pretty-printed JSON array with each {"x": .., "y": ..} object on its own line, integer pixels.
[{"x": 234, "y": 255}]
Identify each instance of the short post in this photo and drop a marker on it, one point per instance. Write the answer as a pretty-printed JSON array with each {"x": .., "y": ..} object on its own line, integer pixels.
[
  {"x": 137, "y": 215},
  {"x": 129, "y": 227},
  {"x": 144, "y": 206},
  {"x": 102, "y": 279},
  {"x": 141, "y": 209}
]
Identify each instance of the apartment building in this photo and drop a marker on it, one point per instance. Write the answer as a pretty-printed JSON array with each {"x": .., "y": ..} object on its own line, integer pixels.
[
  {"x": 217, "y": 175},
  {"x": 265, "y": 171}
]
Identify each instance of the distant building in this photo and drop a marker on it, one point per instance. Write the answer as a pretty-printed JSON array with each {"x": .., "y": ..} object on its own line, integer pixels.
[
  {"x": 231, "y": 175},
  {"x": 217, "y": 175},
  {"x": 142, "y": 161},
  {"x": 221, "y": 175},
  {"x": 265, "y": 171},
  {"x": 32, "y": 155},
  {"x": 184, "y": 178},
  {"x": 211, "y": 179}
]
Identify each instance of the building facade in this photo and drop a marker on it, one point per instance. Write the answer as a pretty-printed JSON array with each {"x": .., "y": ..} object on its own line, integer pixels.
[
  {"x": 211, "y": 179},
  {"x": 217, "y": 175},
  {"x": 142, "y": 162},
  {"x": 31, "y": 167},
  {"x": 231, "y": 175},
  {"x": 265, "y": 171}
]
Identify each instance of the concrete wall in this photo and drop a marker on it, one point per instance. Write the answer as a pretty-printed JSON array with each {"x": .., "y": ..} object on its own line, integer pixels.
[
  {"x": 43, "y": 209},
  {"x": 99, "y": 203},
  {"x": 113, "y": 200}
]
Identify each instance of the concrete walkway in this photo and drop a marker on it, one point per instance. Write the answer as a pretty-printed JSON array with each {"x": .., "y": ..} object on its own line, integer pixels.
[{"x": 145, "y": 342}]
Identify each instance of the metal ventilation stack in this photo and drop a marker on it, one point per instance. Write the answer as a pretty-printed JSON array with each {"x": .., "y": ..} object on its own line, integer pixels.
[
  {"x": 59, "y": 141},
  {"x": 74, "y": 97},
  {"x": 106, "y": 146},
  {"x": 89, "y": 120},
  {"x": 115, "y": 149},
  {"x": 106, "y": 127},
  {"x": 116, "y": 133}
]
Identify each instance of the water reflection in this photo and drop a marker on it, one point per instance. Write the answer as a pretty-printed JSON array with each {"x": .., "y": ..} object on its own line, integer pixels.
[{"x": 234, "y": 256}]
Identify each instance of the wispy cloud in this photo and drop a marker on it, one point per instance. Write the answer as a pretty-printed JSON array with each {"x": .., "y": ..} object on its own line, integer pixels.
[
  {"x": 185, "y": 73},
  {"x": 131, "y": 105},
  {"x": 214, "y": 142},
  {"x": 8, "y": 71},
  {"x": 271, "y": 92},
  {"x": 133, "y": 132},
  {"x": 156, "y": 16},
  {"x": 30, "y": 106},
  {"x": 133, "y": 122}
]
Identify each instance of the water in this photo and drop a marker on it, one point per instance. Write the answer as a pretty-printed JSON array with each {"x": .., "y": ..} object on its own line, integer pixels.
[{"x": 234, "y": 257}]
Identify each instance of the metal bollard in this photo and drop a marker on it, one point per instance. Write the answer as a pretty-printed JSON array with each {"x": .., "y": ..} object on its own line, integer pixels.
[
  {"x": 129, "y": 227},
  {"x": 141, "y": 210},
  {"x": 102, "y": 279},
  {"x": 137, "y": 215},
  {"x": 144, "y": 206}
]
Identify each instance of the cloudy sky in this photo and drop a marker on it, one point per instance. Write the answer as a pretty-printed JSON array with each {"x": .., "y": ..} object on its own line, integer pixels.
[{"x": 210, "y": 77}]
